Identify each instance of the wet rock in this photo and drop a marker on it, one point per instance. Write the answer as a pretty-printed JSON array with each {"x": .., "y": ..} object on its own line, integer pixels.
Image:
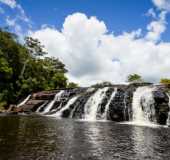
[
  {"x": 32, "y": 105},
  {"x": 44, "y": 95},
  {"x": 120, "y": 108},
  {"x": 160, "y": 96},
  {"x": 161, "y": 106}
]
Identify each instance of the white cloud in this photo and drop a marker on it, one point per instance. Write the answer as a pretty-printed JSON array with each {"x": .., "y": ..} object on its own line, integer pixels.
[
  {"x": 151, "y": 13},
  {"x": 16, "y": 27},
  {"x": 157, "y": 27},
  {"x": 162, "y": 4},
  {"x": 10, "y": 22},
  {"x": 10, "y": 3},
  {"x": 93, "y": 55},
  {"x": 22, "y": 14},
  {"x": 17, "y": 19}
]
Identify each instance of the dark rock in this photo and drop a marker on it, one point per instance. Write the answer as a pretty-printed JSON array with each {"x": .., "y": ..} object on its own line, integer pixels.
[
  {"x": 120, "y": 108},
  {"x": 161, "y": 106},
  {"x": 160, "y": 96}
]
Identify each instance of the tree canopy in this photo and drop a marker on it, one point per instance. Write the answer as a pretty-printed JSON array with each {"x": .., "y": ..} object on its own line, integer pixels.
[
  {"x": 134, "y": 78},
  {"x": 165, "y": 81},
  {"x": 25, "y": 69}
]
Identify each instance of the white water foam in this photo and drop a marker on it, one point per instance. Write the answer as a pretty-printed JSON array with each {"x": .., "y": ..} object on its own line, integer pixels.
[
  {"x": 50, "y": 105},
  {"x": 104, "y": 116},
  {"x": 24, "y": 101},
  {"x": 141, "y": 116},
  {"x": 40, "y": 107},
  {"x": 70, "y": 102},
  {"x": 91, "y": 106}
]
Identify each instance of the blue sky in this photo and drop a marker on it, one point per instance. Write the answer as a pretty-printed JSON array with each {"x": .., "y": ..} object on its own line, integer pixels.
[
  {"x": 98, "y": 40},
  {"x": 119, "y": 15}
]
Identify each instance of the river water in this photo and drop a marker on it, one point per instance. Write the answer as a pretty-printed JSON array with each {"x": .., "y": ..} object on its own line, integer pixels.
[{"x": 44, "y": 138}]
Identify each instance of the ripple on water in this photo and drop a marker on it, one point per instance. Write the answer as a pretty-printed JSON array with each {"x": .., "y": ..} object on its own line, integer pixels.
[{"x": 36, "y": 137}]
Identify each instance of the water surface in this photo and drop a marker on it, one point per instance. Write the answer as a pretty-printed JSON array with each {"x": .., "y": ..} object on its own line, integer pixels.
[{"x": 44, "y": 138}]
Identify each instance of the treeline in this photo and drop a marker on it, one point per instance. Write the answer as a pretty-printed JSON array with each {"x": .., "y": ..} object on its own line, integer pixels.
[
  {"x": 137, "y": 78},
  {"x": 25, "y": 68}
]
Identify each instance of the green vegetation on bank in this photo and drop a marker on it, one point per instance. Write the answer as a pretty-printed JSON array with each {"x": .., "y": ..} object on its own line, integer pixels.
[
  {"x": 134, "y": 78},
  {"x": 165, "y": 81},
  {"x": 25, "y": 69}
]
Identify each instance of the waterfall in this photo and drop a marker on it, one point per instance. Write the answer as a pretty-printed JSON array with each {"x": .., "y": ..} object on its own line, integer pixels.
[
  {"x": 24, "y": 101},
  {"x": 70, "y": 102},
  {"x": 168, "y": 120},
  {"x": 40, "y": 107},
  {"x": 104, "y": 116},
  {"x": 143, "y": 106},
  {"x": 50, "y": 105},
  {"x": 73, "y": 110},
  {"x": 91, "y": 106}
]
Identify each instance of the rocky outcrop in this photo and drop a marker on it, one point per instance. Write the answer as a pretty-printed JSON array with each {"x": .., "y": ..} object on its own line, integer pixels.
[
  {"x": 120, "y": 107},
  {"x": 161, "y": 105}
]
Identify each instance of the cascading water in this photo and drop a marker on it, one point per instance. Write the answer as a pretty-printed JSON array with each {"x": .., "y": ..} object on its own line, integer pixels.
[
  {"x": 24, "y": 101},
  {"x": 168, "y": 120},
  {"x": 104, "y": 116},
  {"x": 40, "y": 107},
  {"x": 70, "y": 102},
  {"x": 146, "y": 105},
  {"x": 73, "y": 110},
  {"x": 91, "y": 106},
  {"x": 50, "y": 105},
  {"x": 143, "y": 106}
]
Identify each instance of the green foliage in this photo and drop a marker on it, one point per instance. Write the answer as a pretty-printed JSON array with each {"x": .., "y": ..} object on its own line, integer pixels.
[
  {"x": 134, "y": 78},
  {"x": 24, "y": 70},
  {"x": 165, "y": 81},
  {"x": 34, "y": 47},
  {"x": 72, "y": 85},
  {"x": 102, "y": 84}
]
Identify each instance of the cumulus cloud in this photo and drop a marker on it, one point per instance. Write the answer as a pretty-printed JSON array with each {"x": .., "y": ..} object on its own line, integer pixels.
[
  {"x": 92, "y": 55},
  {"x": 151, "y": 13},
  {"x": 162, "y": 4},
  {"x": 157, "y": 27}
]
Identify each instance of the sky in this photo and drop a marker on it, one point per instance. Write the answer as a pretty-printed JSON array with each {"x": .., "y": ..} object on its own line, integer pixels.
[{"x": 97, "y": 40}]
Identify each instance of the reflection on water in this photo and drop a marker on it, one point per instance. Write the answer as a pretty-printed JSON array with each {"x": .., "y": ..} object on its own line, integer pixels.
[
  {"x": 142, "y": 142},
  {"x": 42, "y": 138}
]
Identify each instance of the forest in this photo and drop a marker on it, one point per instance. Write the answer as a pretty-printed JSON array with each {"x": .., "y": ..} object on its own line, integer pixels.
[{"x": 26, "y": 68}]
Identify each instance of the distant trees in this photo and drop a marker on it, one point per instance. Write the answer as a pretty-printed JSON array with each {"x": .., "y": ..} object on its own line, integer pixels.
[
  {"x": 25, "y": 69},
  {"x": 72, "y": 85},
  {"x": 102, "y": 84},
  {"x": 134, "y": 78},
  {"x": 165, "y": 81}
]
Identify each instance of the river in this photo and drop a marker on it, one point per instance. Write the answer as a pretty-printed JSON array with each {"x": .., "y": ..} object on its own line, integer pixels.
[{"x": 45, "y": 138}]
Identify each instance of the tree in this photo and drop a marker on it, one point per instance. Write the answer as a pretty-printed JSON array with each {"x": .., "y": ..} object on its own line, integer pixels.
[
  {"x": 72, "y": 85},
  {"x": 34, "y": 46},
  {"x": 102, "y": 84},
  {"x": 134, "y": 78},
  {"x": 24, "y": 69},
  {"x": 35, "y": 50},
  {"x": 165, "y": 81}
]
